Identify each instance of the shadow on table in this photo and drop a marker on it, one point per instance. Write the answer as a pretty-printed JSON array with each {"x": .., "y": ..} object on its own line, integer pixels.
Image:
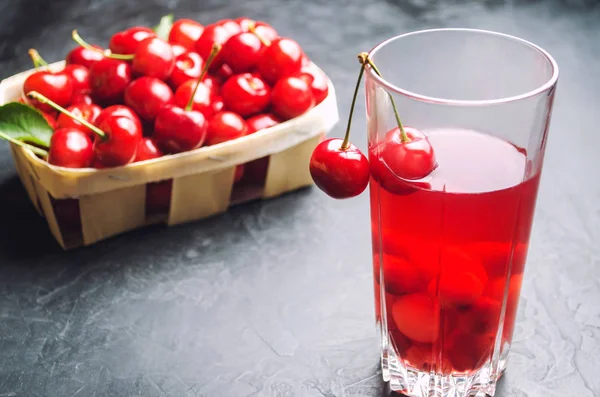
[{"x": 24, "y": 233}]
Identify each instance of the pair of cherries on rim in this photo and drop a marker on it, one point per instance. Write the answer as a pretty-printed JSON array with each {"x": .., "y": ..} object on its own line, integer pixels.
[{"x": 341, "y": 170}]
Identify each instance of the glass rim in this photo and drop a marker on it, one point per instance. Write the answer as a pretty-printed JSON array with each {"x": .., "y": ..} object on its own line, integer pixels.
[{"x": 466, "y": 102}]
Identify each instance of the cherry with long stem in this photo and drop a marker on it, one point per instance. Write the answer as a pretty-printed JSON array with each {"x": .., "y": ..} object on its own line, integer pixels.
[
  {"x": 252, "y": 29},
  {"x": 37, "y": 59},
  {"x": 107, "y": 53},
  {"x": 216, "y": 48},
  {"x": 183, "y": 128}
]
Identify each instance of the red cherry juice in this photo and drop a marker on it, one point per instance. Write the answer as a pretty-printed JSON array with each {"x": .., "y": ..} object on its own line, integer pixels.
[{"x": 453, "y": 249}]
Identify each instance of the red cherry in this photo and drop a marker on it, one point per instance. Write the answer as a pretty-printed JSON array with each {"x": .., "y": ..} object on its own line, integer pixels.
[
  {"x": 246, "y": 94},
  {"x": 239, "y": 173},
  {"x": 217, "y": 104},
  {"x": 82, "y": 97},
  {"x": 282, "y": 58},
  {"x": 127, "y": 41},
  {"x": 185, "y": 32},
  {"x": 84, "y": 56},
  {"x": 413, "y": 159},
  {"x": 387, "y": 180},
  {"x": 179, "y": 130},
  {"x": 242, "y": 51},
  {"x": 49, "y": 119},
  {"x": 213, "y": 84},
  {"x": 261, "y": 121},
  {"x": 456, "y": 289},
  {"x": 232, "y": 27},
  {"x": 71, "y": 148},
  {"x": 341, "y": 173},
  {"x": 225, "y": 126},
  {"x": 154, "y": 58},
  {"x": 400, "y": 276},
  {"x": 147, "y": 96},
  {"x": 202, "y": 98},
  {"x": 291, "y": 97},
  {"x": 418, "y": 317},
  {"x": 265, "y": 31},
  {"x": 147, "y": 150},
  {"x": 87, "y": 112},
  {"x": 188, "y": 66},
  {"x": 121, "y": 142},
  {"x": 57, "y": 87},
  {"x": 316, "y": 80},
  {"x": 109, "y": 78},
  {"x": 224, "y": 73},
  {"x": 178, "y": 49},
  {"x": 213, "y": 34},
  {"x": 119, "y": 111},
  {"x": 245, "y": 23},
  {"x": 80, "y": 76}
]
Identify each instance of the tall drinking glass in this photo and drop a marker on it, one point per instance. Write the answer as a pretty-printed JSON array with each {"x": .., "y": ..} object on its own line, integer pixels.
[{"x": 449, "y": 250}]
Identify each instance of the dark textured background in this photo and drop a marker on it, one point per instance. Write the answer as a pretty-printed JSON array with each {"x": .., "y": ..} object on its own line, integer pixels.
[{"x": 275, "y": 298}]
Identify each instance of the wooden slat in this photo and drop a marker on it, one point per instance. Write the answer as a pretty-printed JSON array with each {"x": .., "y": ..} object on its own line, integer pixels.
[
  {"x": 48, "y": 212},
  {"x": 288, "y": 170},
  {"x": 201, "y": 195},
  {"x": 110, "y": 213}
]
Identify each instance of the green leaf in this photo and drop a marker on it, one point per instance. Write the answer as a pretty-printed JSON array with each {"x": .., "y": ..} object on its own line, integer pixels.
[
  {"x": 163, "y": 28},
  {"x": 24, "y": 123}
]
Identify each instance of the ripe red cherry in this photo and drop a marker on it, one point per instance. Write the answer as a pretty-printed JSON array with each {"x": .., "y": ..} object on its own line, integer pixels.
[
  {"x": 232, "y": 26},
  {"x": 71, "y": 148},
  {"x": 127, "y": 41},
  {"x": 291, "y": 97},
  {"x": 154, "y": 58},
  {"x": 317, "y": 81},
  {"x": 386, "y": 178},
  {"x": 213, "y": 84},
  {"x": 147, "y": 96},
  {"x": 119, "y": 111},
  {"x": 56, "y": 86},
  {"x": 119, "y": 147},
  {"x": 178, "y": 49},
  {"x": 224, "y": 73},
  {"x": 85, "y": 111},
  {"x": 213, "y": 34},
  {"x": 217, "y": 104},
  {"x": 265, "y": 31},
  {"x": 412, "y": 158},
  {"x": 225, "y": 126},
  {"x": 179, "y": 130},
  {"x": 245, "y": 23},
  {"x": 242, "y": 51},
  {"x": 282, "y": 58},
  {"x": 261, "y": 121},
  {"x": 202, "y": 98},
  {"x": 246, "y": 94},
  {"x": 82, "y": 97},
  {"x": 339, "y": 172},
  {"x": 185, "y": 32},
  {"x": 84, "y": 56},
  {"x": 188, "y": 66},
  {"x": 80, "y": 76},
  {"x": 147, "y": 150},
  {"x": 109, "y": 78}
]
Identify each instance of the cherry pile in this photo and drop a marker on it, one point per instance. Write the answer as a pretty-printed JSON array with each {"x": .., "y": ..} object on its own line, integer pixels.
[{"x": 145, "y": 97}]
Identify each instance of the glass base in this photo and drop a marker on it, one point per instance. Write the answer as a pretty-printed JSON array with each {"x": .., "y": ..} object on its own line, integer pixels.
[{"x": 412, "y": 382}]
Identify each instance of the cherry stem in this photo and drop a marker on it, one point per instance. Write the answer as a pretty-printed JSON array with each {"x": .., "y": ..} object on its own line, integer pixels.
[
  {"x": 54, "y": 105},
  {"x": 17, "y": 142},
  {"x": 213, "y": 53},
  {"x": 37, "y": 58},
  {"x": 107, "y": 53},
  {"x": 252, "y": 29},
  {"x": 346, "y": 142},
  {"x": 403, "y": 137}
]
